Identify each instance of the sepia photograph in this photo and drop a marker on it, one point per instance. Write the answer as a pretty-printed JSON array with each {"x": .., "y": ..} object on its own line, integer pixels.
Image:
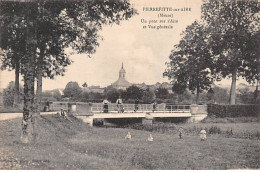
[{"x": 129, "y": 85}]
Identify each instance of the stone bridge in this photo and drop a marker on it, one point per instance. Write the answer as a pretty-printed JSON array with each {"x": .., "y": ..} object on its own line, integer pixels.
[{"x": 146, "y": 112}]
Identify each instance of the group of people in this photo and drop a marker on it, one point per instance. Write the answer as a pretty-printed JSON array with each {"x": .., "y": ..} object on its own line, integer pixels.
[
  {"x": 203, "y": 134},
  {"x": 129, "y": 137},
  {"x": 150, "y": 138},
  {"x": 120, "y": 106}
]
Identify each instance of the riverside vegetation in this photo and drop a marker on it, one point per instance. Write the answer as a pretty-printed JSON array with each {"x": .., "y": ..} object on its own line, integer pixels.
[{"x": 232, "y": 143}]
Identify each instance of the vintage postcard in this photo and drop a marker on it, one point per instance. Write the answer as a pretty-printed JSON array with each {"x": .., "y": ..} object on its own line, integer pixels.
[{"x": 129, "y": 84}]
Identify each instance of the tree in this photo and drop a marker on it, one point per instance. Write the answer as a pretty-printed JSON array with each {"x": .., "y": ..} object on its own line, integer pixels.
[
  {"x": 84, "y": 96},
  {"x": 252, "y": 73},
  {"x": 233, "y": 26},
  {"x": 9, "y": 94},
  {"x": 148, "y": 96},
  {"x": 190, "y": 61},
  {"x": 52, "y": 94},
  {"x": 95, "y": 96},
  {"x": 13, "y": 42},
  {"x": 245, "y": 96},
  {"x": 221, "y": 95},
  {"x": 184, "y": 97},
  {"x": 70, "y": 24},
  {"x": 72, "y": 90},
  {"x": 47, "y": 94},
  {"x": 161, "y": 93},
  {"x": 134, "y": 92},
  {"x": 111, "y": 94},
  {"x": 56, "y": 94},
  {"x": 16, "y": 88}
]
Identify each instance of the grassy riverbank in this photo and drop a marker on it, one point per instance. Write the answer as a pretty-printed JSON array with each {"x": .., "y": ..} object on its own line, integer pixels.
[{"x": 74, "y": 145}]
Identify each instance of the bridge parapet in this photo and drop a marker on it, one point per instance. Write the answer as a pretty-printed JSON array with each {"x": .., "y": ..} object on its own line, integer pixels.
[
  {"x": 90, "y": 108},
  {"x": 198, "y": 109},
  {"x": 80, "y": 108},
  {"x": 198, "y": 113}
]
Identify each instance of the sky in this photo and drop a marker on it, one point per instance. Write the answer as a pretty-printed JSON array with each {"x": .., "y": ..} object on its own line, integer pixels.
[{"x": 143, "y": 51}]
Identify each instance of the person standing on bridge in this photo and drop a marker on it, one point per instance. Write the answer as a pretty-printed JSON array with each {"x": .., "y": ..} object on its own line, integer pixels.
[
  {"x": 105, "y": 105},
  {"x": 119, "y": 104},
  {"x": 136, "y": 105},
  {"x": 154, "y": 106}
]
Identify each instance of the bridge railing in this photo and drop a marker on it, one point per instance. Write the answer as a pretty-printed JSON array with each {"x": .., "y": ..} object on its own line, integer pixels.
[
  {"x": 81, "y": 107},
  {"x": 112, "y": 107},
  {"x": 57, "y": 106},
  {"x": 178, "y": 108}
]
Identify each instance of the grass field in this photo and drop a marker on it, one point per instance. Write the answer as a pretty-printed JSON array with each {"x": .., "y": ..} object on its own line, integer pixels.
[{"x": 74, "y": 145}]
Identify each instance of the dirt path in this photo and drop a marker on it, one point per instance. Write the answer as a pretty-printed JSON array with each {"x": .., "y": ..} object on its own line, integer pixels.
[{"x": 8, "y": 116}]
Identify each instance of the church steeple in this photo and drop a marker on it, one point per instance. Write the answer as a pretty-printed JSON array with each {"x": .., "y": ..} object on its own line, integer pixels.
[
  {"x": 122, "y": 72},
  {"x": 121, "y": 83}
]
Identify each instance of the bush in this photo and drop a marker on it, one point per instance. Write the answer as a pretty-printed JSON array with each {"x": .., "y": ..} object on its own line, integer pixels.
[
  {"x": 158, "y": 127},
  {"x": 8, "y": 95},
  {"x": 220, "y": 111},
  {"x": 213, "y": 119}
]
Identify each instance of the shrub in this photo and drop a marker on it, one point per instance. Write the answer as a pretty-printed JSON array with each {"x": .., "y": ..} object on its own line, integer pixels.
[
  {"x": 220, "y": 111},
  {"x": 98, "y": 122},
  {"x": 158, "y": 127},
  {"x": 213, "y": 130},
  {"x": 213, "y": 119}
]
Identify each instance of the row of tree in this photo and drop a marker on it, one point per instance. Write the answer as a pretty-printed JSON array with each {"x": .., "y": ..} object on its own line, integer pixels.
[
  {"x": 161, "y": 95},
  {"x": 215, "y": 95},
  {"x": 36, "y": 33},
  {"x": 225, "y": 43},
  {"x": 74, "y": 91}
]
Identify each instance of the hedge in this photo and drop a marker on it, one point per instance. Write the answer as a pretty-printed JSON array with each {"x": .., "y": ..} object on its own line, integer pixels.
[{"x": 233, "y": 110}]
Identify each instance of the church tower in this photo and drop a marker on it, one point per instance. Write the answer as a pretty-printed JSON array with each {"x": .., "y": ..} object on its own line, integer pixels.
[
  {"x": 121, "y": 83},
  {"x": 122, "y": 72}
]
